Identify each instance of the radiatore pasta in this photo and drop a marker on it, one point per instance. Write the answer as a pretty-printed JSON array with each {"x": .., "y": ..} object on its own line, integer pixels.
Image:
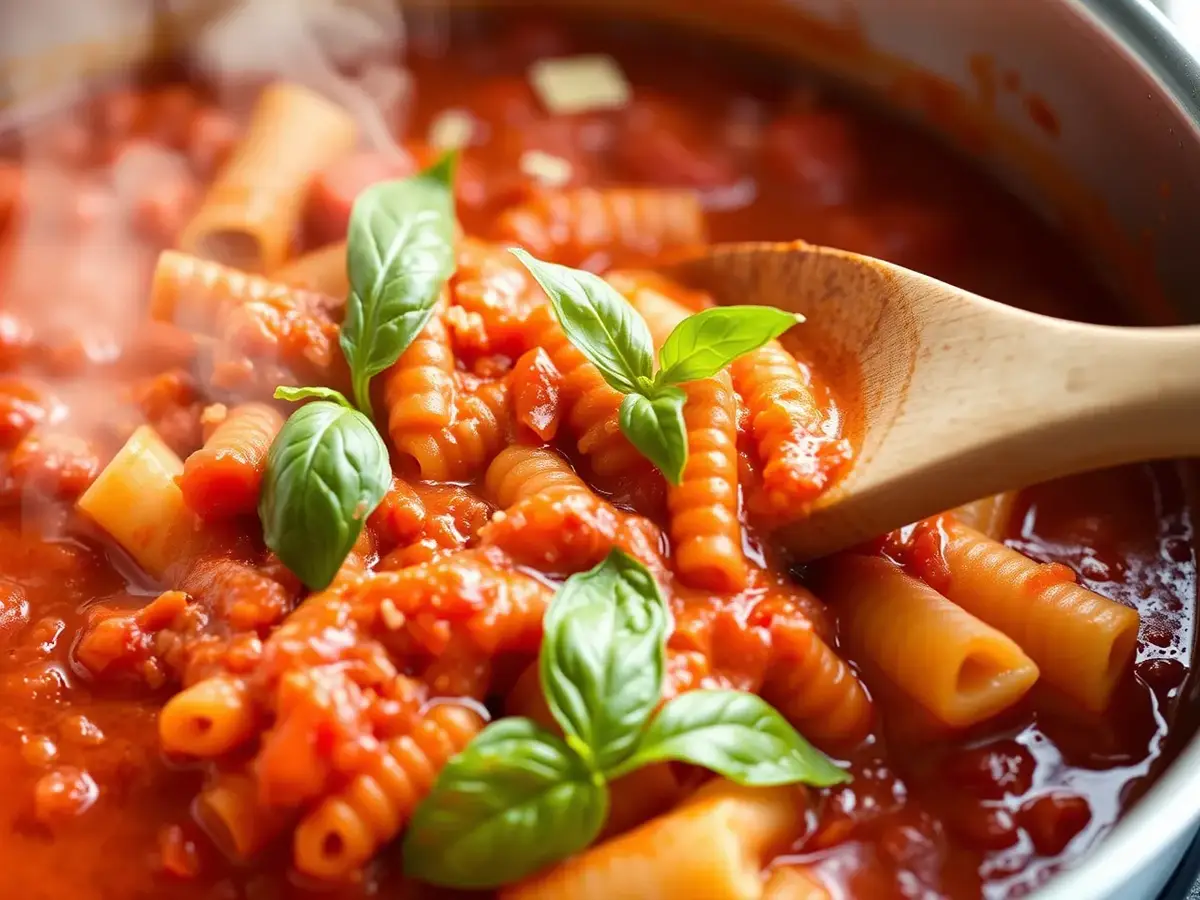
[
  {"x": 798, "y": 460},
  {"x": 346, "y": 829},
  {"x": 223, "y": 477},
  {"x": 616, "y": 226}
]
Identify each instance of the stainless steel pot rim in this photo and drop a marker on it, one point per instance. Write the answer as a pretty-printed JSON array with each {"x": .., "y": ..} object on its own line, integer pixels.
[
  {"x": 1169, "y": 813},
  {"x": 1146, "y": 30}
]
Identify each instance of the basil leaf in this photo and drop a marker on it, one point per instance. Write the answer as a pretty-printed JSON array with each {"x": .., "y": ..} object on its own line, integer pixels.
[
  {"x": 655, "y": 426},
  {"x": 601, "y": 660},
  {"x": 598, "y": 321},
  {"x": 737, "y": 735},
  {"x": 327, "y": 470},
  {"x": 399, "y": 253},
  {"x": 514, "y": 801},
  {"x": 705, "y": 343},
  {"x": 296, "y": 394}
]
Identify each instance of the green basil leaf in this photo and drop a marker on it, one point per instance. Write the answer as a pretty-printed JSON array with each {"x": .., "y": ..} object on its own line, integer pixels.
[
  {"x": 399, "y": 253},
  {"x": 296, "y": 394},
  {"x": 514, "y": 801},
  {"x": 601, "y": 660},
  {"x": 737, "y": 735},
  {"x": 705, "y": 343},
  {"x": 597, "y": 320},
  {"x": 326, "y": 472},
  {"x": 655, "y": 426}
]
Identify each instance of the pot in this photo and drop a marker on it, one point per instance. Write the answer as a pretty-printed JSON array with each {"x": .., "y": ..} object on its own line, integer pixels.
[{"x": 1088, "y": 109}]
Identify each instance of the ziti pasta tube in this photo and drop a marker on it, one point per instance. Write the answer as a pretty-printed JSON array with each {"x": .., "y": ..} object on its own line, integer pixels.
[{"x": 253, "y": 207}]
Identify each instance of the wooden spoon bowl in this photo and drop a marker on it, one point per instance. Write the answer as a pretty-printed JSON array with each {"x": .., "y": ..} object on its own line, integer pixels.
[{"x": 961, "y": 397}]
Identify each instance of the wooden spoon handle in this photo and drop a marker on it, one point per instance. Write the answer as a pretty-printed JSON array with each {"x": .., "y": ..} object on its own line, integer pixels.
[
  {"x": 1002, "y": 399},
  {"x": 1132, "y": 394}
]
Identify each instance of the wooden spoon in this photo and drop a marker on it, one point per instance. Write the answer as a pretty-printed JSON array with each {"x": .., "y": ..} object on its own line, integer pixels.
[{"x": 961, "y": 397}]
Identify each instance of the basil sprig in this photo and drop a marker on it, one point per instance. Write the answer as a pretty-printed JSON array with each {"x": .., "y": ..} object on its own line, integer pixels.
[
  {"x": 615, "y": 339},
  {"x": 518, "y": 798},
  {"x": 328, "y": 468},
  {"x": 326, "y": 471},
  {"x": 399, "y": 253}
]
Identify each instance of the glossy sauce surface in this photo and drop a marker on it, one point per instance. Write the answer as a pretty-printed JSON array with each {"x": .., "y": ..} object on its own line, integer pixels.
[{"x": 90, "y": 807}]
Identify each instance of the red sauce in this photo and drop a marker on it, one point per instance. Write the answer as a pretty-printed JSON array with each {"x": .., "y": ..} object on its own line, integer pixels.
[
  {"x": 91, "y": 807},
  {"x": 1042, "y": 115}
]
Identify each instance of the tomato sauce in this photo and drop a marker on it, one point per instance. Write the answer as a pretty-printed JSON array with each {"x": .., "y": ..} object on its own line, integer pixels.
[{"x": 92, "y": 809}]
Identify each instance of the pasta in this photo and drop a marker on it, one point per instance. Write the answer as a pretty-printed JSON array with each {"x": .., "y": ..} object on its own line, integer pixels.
[
  {"x": 232, "y": 814},
  {"x": 591, "y": 406},
  {"x": 619, "y": 225},
  {"x": 459, "y": 451},
  {"x": 346, "y": 829},
  {"x": 990, "y": 516},
  {"x": 958, "y": 668},
  {"x": 814, "y": 687},
  {"x": 496, "y": 609},
  {"x": 322, "y": 271},
  {"x": 1081, "y": 641},
  {"x": 222, "y": 479},
  {"x": 253, "y": 206},
  {"x": 420, "y": 388},
  {"x": 793, "y": 883},
  {"x": 449, "y": 433},
  {"x": 137, "y": 500},
  {"x": 261, "y": 333},
  {"x": 714, "y": 846},
  {"x": 787, "y": 427},
  {"x": 320, "y": 713},
  {"x": 563, "y": 529},
  {"x": 520, "y": 471},
  {"x": 491, "y": 284},
  {"x": 198, "y": 294},
  {"x": 207, "y": 719},
  {"x": 654, "y": 298},
  {"x": 705, "y": 530}
]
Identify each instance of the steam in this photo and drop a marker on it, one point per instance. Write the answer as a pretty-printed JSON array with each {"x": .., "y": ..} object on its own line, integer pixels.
[
  {"x": 314, "y": 44},
  {"x": 77, "y": 271}
]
